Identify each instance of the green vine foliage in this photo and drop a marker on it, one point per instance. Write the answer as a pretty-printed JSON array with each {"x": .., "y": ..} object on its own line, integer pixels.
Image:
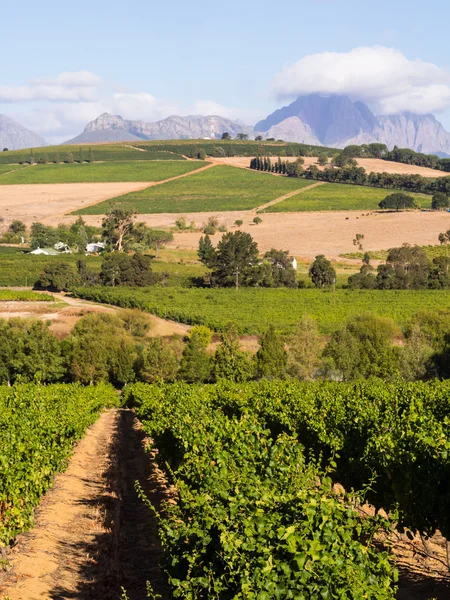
[
  {"x": 38, "y": 428},
  {"x": 256, "y": 517}
]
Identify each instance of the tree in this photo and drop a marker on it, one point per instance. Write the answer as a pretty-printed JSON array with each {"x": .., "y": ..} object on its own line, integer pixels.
[
  {"x": 57, "y": 158},
  {"x": 29, "y": 349},
  {"x": 69, "y": 158},
  {"x": 226, "y": 136},
  {"x": 357, "y": 241},
  {"x": 439, "y": 201},
  {"x": 257, "y": 220},
  {"x": 32, "y": 156},
  {"x": 202, "y": 154},
  {"x": 229, "y": 361},
  {"x": 407, "y": 267},
  {"x": 143, "y": 238},
  {"x": 239, "y": 222},
  {"x": 80, "y": 156},
  {"x": 236, "y": 257},
  {"x": 322, "y": 159},
  {"x": 158, "y": 362},
  {"x": 42, "y": 236},
  {"x": 195, "y": 362},
  {"x": 295, "y": 169},
  {"x": 117, "y": 226},
  {"x": 206, "y": 252},
  {"x": 43, "y": 159},
  {"x": 271, "y": 358},
  {"x": 304, "y": 350},
  {"x": 17, "y": 227},
  {"x": 280, "y": 271},
  {"x": 91, "y": 156},
  {"x": 122, "y": 269},
  {"x": 242, "y": 136},
  {"x": 398, "y": 201},
  {"x": 322, "y": 272},
  {"x": 258, "y": 138},
  {"x": 364, "y": 280},
  {"x": 57, "y": 276},
  {"x": 364, "y": 348},
  {"x": 136, "y": 322}
]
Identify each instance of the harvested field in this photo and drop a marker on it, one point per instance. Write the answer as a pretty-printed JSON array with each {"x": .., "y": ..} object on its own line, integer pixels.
[
  {"x": 48, "y": 202},
  {"x": 370, "y": 164}
]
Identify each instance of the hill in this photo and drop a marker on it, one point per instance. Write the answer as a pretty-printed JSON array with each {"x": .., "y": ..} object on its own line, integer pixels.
[{"x": 15, "y": 136}]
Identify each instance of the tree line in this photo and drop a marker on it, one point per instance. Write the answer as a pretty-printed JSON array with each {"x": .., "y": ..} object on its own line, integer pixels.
[{"x": 116, "y": 348}]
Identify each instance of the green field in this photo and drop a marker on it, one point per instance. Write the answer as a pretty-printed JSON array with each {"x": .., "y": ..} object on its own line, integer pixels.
[
  {"x": 253, "y": 309},
  {"x": 24, "y": 296},
  {"x": 8, "y": 168},
  {"x": 101, "y": 172},
  {"x": 220, "y": 188},
  {"x": 340, "y": 196},
  {"x": 430, "y": 251}
]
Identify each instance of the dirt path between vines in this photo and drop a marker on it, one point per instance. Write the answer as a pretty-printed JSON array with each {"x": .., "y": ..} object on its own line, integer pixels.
[
  {"x": 288, "y": 195},
  {"x": 93, "y": 535}
]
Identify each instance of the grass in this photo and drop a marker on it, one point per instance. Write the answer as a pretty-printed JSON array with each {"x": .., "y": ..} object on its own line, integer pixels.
[
  {"x": 24, "y": 296},
  {"x": 253, "y": 309},
  {"x": 339, "y": 196},
  {"x": 221, "y": 188},
  {"x": 8, "y": 168},
  {"x": 101, "y": 172}
]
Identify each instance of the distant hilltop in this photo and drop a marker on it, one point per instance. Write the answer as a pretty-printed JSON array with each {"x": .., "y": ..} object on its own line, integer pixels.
[{"x": 15, "y": 136}]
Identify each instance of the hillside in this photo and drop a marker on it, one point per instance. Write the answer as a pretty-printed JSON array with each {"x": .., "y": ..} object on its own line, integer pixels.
[{"x": 15, "y": 136}]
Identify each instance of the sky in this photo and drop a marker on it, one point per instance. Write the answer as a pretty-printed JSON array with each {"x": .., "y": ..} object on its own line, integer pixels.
[{"x": 63, "y": 64}]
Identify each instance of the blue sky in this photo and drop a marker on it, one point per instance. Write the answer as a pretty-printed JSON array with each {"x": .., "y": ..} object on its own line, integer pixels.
[{"x": 240, "y": 59}]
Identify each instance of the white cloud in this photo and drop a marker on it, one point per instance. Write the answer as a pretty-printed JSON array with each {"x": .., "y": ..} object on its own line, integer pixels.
[
  {"x": 80, "y": 86},
  {"x": 383, "y": 77}
]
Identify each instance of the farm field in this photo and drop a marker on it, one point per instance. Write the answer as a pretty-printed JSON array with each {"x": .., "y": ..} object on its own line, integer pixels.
[
  {"x": 106, "y": 172},
  {"x": 221, "y": 188},
  {"x": 100, "y": 152},
  {"x": 338, "y": 196},
  {"x": 9, "y": 168},
  {"x": 253, "y": 309}
]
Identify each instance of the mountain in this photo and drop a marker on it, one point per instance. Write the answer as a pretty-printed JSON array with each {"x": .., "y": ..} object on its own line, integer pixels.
[
  {"x": 15, "y": 136},
  {"x": 109, "y": 128},
  {"x": 336, "y": 121}
]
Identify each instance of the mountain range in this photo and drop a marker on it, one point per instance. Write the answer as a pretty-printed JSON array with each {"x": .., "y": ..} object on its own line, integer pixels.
[
  {"x": 108, "y": 128},
  {"x": 337, "y": 121},
  {"x": 14, "y": 136},
  {"x": 332, "y": 121}
]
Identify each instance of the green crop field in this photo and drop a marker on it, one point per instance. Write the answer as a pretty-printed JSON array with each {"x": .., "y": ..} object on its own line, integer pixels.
[
  {"x": 339, "y": 196},
  {"x": 220, "y": 188},
  {"x": 253, "y": 309},
  {"x": 8, "y": 168},
  {"x": 24, "y": 296},
  {"x": 430, "y": 251},
  {"x": 101, "y": 172}
]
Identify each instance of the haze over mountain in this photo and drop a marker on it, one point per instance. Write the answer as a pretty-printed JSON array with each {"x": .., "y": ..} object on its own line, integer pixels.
[
  {"x": 109, "y": 128},
  {"x": 15, "y": 136},
  {"x": 336, "y": 121}
]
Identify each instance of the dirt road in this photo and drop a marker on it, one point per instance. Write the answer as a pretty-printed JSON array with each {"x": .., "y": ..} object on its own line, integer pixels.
[{"x": 93, "y": 535}]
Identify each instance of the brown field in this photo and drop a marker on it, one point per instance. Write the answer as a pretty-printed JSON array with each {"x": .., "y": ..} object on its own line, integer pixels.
[
  {"x": 331, "y": 233},
  {"x": 370, "y": 164},
  {"x": 48, "y": 202}
]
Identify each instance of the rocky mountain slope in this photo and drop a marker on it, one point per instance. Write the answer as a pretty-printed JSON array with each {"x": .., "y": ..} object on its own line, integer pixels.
[
  {"x": 336, "y": 121},
  {"x": 15, "y": 136},
  {"x": 108, "y": 128}
]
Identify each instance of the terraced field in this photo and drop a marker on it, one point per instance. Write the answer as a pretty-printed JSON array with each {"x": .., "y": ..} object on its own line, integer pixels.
[
  {"x": 339, "y": 196},
  {"x": 221, "y": 188}
]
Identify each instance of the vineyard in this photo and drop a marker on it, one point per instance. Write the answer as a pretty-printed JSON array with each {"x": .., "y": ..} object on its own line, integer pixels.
[
  {"x": 101, "y": 152},
  {"x": 221, "y": 188},
  {"x": 24, "y": 296},
  {"x": 339, "y": 196},
  {"x": 252, "y": 309},
  {"x": 39, "y": 426},
  {"x": 257, "y": 515},
  {"x": 100, "y": 172}
]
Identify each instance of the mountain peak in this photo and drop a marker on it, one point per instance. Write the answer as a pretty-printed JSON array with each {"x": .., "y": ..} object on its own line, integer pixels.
[{"x": 15, "y": 136}]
